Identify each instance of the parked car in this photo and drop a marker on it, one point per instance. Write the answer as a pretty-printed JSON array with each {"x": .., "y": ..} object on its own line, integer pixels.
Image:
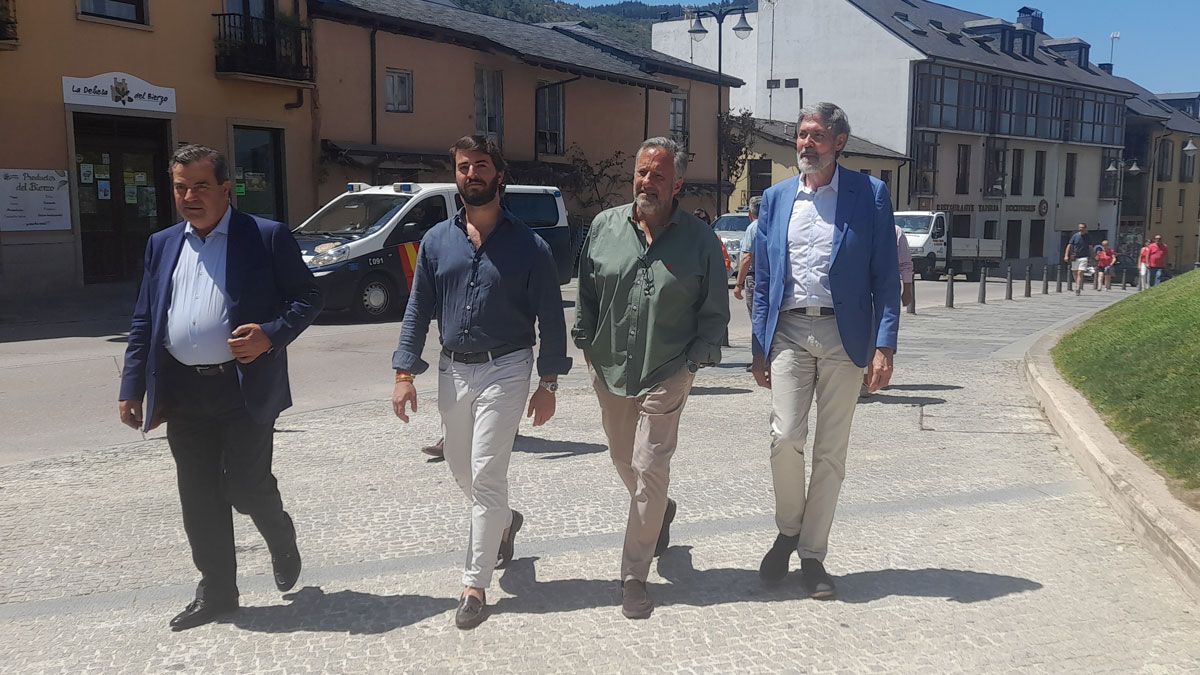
[{"x": 730, "y": 228}]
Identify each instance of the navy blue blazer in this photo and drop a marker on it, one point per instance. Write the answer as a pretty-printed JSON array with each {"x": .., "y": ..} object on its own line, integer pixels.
[
  {"x": 268, "y": 283},
  {"x": 864, "y": 273}
]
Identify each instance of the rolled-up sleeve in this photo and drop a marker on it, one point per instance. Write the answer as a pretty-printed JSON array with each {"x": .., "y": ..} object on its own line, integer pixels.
[
  {"x": 552, "y": 327},
  {"x": 712, "y": 310},
  {"x": 421, "y": 303}
]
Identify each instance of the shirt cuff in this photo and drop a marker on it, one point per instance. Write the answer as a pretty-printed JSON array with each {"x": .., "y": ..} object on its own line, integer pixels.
[
  {"x": 408, "y": 362},
  {"x": 553, "y": 365},
  {"x": 704, "y": 353}
]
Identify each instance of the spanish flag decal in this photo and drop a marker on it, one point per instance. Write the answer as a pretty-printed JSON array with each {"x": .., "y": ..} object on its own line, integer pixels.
[{"x": 408, "y": 258}]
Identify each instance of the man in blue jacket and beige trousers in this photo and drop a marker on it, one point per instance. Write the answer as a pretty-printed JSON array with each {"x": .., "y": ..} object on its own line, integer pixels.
[{"x": 826, "y": 306}]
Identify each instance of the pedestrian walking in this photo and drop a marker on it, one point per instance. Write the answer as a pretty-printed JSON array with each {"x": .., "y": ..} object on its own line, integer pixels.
[
  {"x": 1106, "y": 259},
  {"x": 1156, "y": 260},
  {"x": 904, "y": 261},
  {"x": 223, "y": 294},
  {"x": 1144, "y": 267},
  {"x": 653, "y": 307},
  {"x": 1076, "y": 253},
  {"x": 743, "y": 286},
  {"x": 826, "y": 306},
  {"x": 487, "y": 277}
]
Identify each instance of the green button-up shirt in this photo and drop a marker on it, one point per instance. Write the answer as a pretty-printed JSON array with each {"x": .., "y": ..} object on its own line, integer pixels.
[{"x": 644, "y": 311}]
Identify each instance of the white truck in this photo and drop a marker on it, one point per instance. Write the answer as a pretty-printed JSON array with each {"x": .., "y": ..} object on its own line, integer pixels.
[{"x": 927, "y": 234}]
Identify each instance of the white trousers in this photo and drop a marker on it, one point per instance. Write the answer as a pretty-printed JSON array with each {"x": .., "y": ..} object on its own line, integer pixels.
[
  {"x": 807, "y": 358},
  {"x": 481, "y": 406}
]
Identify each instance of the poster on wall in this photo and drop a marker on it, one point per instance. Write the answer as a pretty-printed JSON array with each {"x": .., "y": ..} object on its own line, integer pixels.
[
  {"x": 131, "y": 194},
  {"x": 103, "y": 190},
  {"x": 85, "y": 173},
  {"x": 34, "y": 199}
]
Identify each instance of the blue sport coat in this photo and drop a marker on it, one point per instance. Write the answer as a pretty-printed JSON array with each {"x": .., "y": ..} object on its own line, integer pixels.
[
  {"x": 268, "y": 283},
  {"x": 864, "y": 273}
]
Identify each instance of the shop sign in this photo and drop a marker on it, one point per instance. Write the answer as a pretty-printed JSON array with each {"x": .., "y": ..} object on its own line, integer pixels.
[
  {"x": 34, "y": 199},
  {"x": 118, "y": 90}
]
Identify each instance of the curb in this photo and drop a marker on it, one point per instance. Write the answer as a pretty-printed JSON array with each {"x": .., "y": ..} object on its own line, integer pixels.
[{"x": 1165, "y": 526}]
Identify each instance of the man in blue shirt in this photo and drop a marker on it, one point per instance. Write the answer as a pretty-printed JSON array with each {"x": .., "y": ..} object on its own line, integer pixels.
[
  {"x": 1076, "y": 253},
  {"x": 487, "y": 277}
]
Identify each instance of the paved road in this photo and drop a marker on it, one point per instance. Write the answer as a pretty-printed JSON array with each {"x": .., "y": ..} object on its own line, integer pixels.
[{"x": 967, "y": 540}]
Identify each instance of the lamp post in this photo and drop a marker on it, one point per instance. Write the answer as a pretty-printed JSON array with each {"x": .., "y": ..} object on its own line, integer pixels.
[
  {"x": 1119, "y": 168},
  {"x": 742, "y": 29},
  {"x": 1190, "y": 151}
]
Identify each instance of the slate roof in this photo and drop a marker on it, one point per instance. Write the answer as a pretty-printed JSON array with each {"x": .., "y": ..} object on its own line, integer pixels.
[
  {"x": 785, "y": 133},
  {"x": 1171, "y": 118},
  {"x": 535, "y": 45},
  {"x": 935, "y": 43},
  {"x": 650, "y": 60},
  {"x": 1179, "y": 95}
]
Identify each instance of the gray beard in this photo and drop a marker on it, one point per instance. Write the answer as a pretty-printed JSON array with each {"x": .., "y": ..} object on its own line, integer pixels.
[
  {"x": 808, "y": 167},
  {"x": 646, "y": 207}
]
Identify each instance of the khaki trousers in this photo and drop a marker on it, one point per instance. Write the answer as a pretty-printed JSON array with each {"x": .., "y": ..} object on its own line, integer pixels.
[
  {"x": 806, "y": 358},
  {"x": 642, "y": 434}
]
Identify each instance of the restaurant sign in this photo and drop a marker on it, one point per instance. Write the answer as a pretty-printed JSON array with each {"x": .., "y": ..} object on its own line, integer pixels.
[{"x": 118, "y": 90}]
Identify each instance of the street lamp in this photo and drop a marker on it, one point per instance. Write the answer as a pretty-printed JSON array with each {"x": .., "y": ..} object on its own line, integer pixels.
[
  {"x": 1117, "y": 168},
  {"x": 742, "y": 29}
]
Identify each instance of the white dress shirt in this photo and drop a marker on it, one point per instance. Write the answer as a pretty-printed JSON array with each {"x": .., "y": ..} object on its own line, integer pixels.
[
  {"x": 198, "y": 318},
  {"x": 810, "y": 246}
]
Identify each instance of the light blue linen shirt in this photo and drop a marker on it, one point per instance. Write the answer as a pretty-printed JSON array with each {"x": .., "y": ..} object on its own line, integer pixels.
[{"x": 198, "y": 324}]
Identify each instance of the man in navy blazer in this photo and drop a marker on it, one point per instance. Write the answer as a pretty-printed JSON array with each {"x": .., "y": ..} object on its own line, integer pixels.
[
  {"x": 223, "y": 294},
  {"x": 826, "y": 306}
]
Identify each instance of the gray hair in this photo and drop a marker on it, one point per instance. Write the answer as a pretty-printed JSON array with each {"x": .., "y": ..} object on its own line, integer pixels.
[
  {"x": 679, "y": 155},
  {"x": 832, "y": 116},
  {"x": 190, "y": 154},
  {"x": 755, "y": 203}
]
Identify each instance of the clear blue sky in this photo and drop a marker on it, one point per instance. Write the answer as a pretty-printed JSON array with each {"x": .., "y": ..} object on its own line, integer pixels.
[{"x": 1159, "y": 41}]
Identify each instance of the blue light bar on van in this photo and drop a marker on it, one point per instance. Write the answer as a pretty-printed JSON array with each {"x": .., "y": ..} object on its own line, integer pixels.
[
  {"x": 408, "y": 188},
  {"x": 356, "y": 187}
]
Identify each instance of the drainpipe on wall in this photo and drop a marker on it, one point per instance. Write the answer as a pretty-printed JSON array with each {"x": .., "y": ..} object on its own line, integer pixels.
[
  {"x": 897, "y": 195},
  {"x": 536, "y": 91},
  {"x": 646, "y": 114},
  {"x": 374, "y": 90}
]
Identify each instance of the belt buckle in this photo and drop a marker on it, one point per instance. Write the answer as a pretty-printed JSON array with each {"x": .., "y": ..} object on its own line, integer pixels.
[{"x": 812, "y": 311}]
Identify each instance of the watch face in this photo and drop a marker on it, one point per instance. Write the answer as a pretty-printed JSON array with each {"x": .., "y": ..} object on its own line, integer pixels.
[{"x": 550, "y": 386}]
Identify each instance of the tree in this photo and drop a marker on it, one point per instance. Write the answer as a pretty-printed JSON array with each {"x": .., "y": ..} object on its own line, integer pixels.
[{"x": 737, "y": 142}]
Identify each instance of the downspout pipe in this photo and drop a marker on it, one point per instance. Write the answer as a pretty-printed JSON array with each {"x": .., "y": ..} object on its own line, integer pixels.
[
  {"x": 537, "y": 90},
  {"x": 374, "y": 89}
]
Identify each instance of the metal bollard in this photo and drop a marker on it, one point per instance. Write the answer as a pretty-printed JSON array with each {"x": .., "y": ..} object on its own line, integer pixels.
[
  {"x": 983, "y": 286},
  {"x": 1096, "y": 279},
  {"x": 950, "y": 288},
  {"x": 1058, "y": 275},
  {"x": 1008, "y": 284},
  {"x": 1045, "y": 279},
  {"x": 1029, "y": 281},
  {"x": 1070, "y": 280},
  {"x": 1125, "y": 280}
]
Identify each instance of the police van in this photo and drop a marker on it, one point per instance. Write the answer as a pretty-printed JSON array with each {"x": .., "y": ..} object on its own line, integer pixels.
[{"x": 362, "y": 245}]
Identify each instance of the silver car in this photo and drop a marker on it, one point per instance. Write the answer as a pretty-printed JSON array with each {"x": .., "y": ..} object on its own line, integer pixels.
[{"x": 730, "y": 228}]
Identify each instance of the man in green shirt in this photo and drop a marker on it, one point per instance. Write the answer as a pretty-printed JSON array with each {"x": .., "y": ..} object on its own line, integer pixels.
[{"x": 653, "y": 308}]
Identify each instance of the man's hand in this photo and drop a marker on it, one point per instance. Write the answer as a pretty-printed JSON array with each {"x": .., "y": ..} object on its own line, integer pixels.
[
  {"x": 404, "y": 394},
  {"x": 131, "y": 415},
  {"x": 762, "y": 374},
  {"x": 906, "y": 295},
  {"x": 249, "y": 342},
  {"x": 541, "y": 406},
  {"x": 737, "y": 292},
  {"x": 879, "y": 371}
]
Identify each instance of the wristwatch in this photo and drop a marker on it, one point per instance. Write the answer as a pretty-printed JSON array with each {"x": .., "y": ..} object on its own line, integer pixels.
[
  {"x": 692, "y": 366},
  {"x": 549, "y": 386}
]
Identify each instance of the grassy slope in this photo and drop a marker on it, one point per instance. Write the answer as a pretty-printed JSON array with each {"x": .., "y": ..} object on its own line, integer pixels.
[{"x": 1138, "y": 362}]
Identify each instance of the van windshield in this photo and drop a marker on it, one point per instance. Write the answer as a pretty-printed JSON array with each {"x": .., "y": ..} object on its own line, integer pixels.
[
  {"x": 355, "y": 215},
  {"x": 914, "y": 224}
]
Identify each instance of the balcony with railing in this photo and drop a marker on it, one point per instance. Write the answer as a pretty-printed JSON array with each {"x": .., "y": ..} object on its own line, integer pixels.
[
  {"x": 251, "y": 47},
  {"x": 8, "y": 22}
]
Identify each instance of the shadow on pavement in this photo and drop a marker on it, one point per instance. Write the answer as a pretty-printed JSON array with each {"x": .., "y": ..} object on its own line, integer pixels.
[
  {"x": 922, "y": 387},
  {"x": 718, "y": 391},
  {"x": 953, "y": 585},
  {"x": 351, "y": 612},
  {"x": 555, "y": 449},
  {"x": 902, "y": 400}
]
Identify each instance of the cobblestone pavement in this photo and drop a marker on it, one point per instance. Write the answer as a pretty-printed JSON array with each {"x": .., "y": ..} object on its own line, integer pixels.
[{"x": 967, "y": 540}]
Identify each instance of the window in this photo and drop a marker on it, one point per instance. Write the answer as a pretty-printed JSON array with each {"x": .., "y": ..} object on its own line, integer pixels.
[
  {"x": 962, "y": 179},
  {"x": 1181, "y": 198},
  {"x": 1012, "y": 240},
  {"x": 791, "y": 83},
  {"x": 1108, "y": 179},
  {"x": 1166, "y": 159},
  {"x": 960, "y": 225},
  {"x": 989, "y": 229},
  {"x": 885, "y": 175},
  {"x": 1187, "y": 167},
  {"x": 258, "y": 172},
  {"x": 1039, "y": 173},
  {"x": 1037, "y": 238},
  {"x": 426, "y": 213},
  {"x": 1158, "y": 198},
  {"x": 1018, "y": 172},
  {"x": 133, "y": 11},
  {"x": 489, "y": 103},
  {"x": 758, "y": 176},
  {"x": 994, "y": 167},
  {"x": 678, "y": 122},
  {"x": 772, "y": 84},
  {"x": 535, "y": 209},
  {"x": 924, "y": 178},
  {"x": 398, "y": 91},
  {"x": 1069, "y": 187},
  {"x": 1097, "y": 117},
  {"x": 953, "y": 98},
  {"x": 551, "y": 125},
  {"x": 902, "y": 17},
  {"x": 865, "y": 171}
]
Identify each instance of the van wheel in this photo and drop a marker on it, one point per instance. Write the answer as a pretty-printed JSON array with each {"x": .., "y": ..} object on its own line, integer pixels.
[{"x": 375, "y": 298}]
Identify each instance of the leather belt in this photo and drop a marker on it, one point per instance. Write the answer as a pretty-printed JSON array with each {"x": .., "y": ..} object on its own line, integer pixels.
[
  {"x": 812, "y": 311},
  {"x": 472, "y": 358},
  {"x": 208, "y": 370}
]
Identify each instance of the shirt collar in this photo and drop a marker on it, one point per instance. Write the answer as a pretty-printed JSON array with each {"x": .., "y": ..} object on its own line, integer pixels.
[
  {"x": 460, "y": 218},
  {"x": 833, "y": 185},
  {"x": 222, "y": 227}
]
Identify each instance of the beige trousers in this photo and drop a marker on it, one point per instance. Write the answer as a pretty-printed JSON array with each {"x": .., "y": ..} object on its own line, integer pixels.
[
  {"x": 642, "y": 434},
  {"x": 806, "y": 358}
]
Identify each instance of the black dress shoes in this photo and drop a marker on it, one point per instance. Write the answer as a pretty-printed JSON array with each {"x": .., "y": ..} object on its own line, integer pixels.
[
  {"x": 774, "y": 565},
  {"x": 664, "y": 534},
  {"x": 508, "y": 543},
  {"x": 287, "y": 569},
  {"x": 471, "y": 612},
  {"x": 817, "y": 580},
  {"x": 199, "y": 612}
]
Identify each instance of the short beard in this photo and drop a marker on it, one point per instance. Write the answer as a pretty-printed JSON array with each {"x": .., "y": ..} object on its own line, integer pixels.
[
  {"x": 480, "y": 198},
  {"x": 647, "y": 206},
  {"x": 807, "y": 167}
]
